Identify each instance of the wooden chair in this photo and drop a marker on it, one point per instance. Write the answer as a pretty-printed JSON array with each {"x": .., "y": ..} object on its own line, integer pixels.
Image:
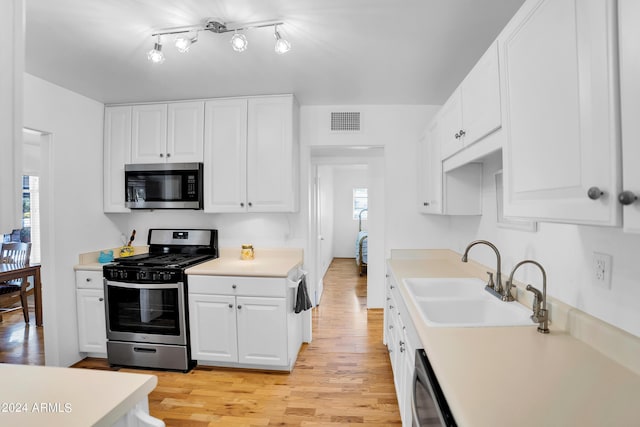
[{"x": 15, "y": 291}]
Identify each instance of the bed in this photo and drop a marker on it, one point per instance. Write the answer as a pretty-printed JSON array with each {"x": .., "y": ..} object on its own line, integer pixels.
[{"x": 361, "y": 246}]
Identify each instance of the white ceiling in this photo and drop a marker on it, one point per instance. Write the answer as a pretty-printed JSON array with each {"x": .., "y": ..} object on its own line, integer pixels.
[{"x": 343, "y": 51}]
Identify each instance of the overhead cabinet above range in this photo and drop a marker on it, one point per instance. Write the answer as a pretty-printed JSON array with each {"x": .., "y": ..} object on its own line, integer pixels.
[
  {"x": 249, "y": 147},
  {"x": 167, "y": 133}
]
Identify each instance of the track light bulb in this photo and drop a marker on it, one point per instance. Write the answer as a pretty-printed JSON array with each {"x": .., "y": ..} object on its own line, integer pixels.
[
  {"x": 239, "y": 42},
  {"x": 155, "y": 55},
  {"x": 183, "y": 43},
  {"x": 282, "y": 46}
]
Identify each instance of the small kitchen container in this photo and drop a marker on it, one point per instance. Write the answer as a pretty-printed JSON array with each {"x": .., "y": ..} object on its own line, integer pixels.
[{"x": 247, "y": 252}]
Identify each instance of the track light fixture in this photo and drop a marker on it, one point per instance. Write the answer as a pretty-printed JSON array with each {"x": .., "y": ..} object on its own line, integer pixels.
[
  {"x": 183, "y": 43},
  {"x": 282, "y": 46},
  {"x": 186, "y": 36},
  {"x": 155, "y": 55}
]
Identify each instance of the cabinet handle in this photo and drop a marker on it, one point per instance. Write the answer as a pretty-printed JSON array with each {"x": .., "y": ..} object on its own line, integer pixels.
[
  {"x": 595, "y": 193},
  {"x": 390, "y": 326},
  {"x": 100, "y": 299},
  {"x": 250, "y": 204},
  {"x": 392, "y": 287},
  {"x": 88, "y": 279},
  {"x": 234, "y": 286},
  {"x": 462, "y": 133},
  {"x": 390, "y": 307},
  {"x": 239, "y": 307},
  {"x": 161, "y": 155},
  {"x": 168, "y": 155},
  {"x": 627, "y": 198},
  {"x": 242, "y": 204},
  {"x": 230, "y": 305},
  {"x": 425, "y": 203},
  {"x": 457, "y": 136}
]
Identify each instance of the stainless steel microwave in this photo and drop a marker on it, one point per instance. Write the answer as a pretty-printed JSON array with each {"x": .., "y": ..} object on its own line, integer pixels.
[{"x": 163, "y": 186}]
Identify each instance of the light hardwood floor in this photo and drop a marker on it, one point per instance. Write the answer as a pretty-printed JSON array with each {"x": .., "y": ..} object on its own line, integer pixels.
[
  {"x": 342, "y": 377},
  {"x": 21, "y": 343}
]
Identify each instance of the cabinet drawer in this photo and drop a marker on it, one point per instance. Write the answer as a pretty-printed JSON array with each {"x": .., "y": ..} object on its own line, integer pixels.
[
  {"x": 88, "y": 279},
  {"x": 233, "y": 285}
]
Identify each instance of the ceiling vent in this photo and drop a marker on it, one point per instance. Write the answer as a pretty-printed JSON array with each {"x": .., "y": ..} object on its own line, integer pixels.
[{"x": 345, "y": 121}]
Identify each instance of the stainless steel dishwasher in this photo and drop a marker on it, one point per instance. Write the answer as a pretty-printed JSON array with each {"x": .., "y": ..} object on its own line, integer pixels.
[{"x": 429, "y": 406}]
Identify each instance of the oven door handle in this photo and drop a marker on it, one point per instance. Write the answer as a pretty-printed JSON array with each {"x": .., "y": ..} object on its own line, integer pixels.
[{"x": 128, "y": 285}]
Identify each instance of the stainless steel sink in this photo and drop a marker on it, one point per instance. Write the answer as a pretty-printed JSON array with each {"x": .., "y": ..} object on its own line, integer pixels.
[{"x": 463, "y": 302}]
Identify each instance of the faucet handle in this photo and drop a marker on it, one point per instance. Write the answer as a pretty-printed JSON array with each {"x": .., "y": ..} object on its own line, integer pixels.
[{"x": 490, "y": 282}]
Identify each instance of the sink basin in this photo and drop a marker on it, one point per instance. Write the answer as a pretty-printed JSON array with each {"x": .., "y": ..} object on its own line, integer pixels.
[
  {"x": 463, "y": 302},
  {"x": 480, "y": 312},
  {"x": 466, "y": 287}
]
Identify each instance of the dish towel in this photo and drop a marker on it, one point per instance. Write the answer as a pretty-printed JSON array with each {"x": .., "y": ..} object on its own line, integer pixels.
[{"x": 302, "y": 296}]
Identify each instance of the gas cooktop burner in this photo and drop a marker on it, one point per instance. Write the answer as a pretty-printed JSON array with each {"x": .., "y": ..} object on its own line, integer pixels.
[
  {"x": 170, "y": 253},
  {"x": 163, "y": 260}
]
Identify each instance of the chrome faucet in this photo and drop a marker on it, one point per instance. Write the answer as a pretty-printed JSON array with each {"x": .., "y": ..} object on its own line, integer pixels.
[
  {"x": 495, "y": 289},
  {"x": 540, "y": 313}
]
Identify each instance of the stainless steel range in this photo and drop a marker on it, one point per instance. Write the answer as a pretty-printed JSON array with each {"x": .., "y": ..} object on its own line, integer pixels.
[{"x": 146, "y": 299}]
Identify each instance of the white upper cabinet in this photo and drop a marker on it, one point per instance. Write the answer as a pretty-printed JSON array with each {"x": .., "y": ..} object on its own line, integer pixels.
[
  {"x": 117, "y": 153},
  {"x": 251, "y": 155},
  {"x": 163, "y": 133},
  {"x": 473, "y": 110},
  {"x": 559, "y": 99},
  {"x": 185, "y": 132},
  {"x": 225, "y": 152},
  {"x": 149, "y": 133},
  {"x": 629, "y": 35},
  {"x": 430, "y": 171},
  {"x": 272, "y": 155},
  {"x": 455, "y": 192}
]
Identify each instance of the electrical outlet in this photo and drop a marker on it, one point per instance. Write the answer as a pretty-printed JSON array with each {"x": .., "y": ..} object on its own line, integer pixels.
[{"x": 602, "y": 270}]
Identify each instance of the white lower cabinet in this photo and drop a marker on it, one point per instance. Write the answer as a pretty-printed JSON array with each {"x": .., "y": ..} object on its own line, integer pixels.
[
  {"x": 92, "y": 331},
  {"x": 243, "y": 321},
  {"x": 402, "y": 341}
]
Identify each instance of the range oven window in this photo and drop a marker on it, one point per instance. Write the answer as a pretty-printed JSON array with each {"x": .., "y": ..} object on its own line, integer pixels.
[{"x": 144, "y": 311}]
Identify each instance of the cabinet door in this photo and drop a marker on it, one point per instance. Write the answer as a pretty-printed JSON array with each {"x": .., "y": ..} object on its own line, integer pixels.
[
  {"x": 149, "y": 138},
  {"x": 450, "y": 125},
  {"x": 92, "y": 330},
  {"x": 225, "y": 152},
  {"x": 629, "y": 34},
  {"x": 185, "y": 132},
  {"x": 559, "y": 102},
  {"x": 480, "y": 93},
  {"x": 430, "y": 171},
  {"x": 271, "y": 155},
  {"x": 117, "y": 153},
  {"x": 212, "y": 322},
  {"x": 262, "y": 331}
]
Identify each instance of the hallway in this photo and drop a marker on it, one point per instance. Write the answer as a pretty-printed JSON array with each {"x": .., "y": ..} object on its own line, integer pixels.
[{"x": 342, "y": 377}]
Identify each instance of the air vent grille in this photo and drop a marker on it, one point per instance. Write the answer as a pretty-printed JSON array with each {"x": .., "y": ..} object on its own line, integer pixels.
[{"x": 345, "y": 121}]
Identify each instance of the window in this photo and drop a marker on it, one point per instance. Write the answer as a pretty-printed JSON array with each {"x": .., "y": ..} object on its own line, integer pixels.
[
  {"x": 360, "y": 202},
  {"x": 31, "y": 215}
]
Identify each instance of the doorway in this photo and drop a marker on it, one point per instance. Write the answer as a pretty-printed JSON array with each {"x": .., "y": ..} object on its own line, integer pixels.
[
  {"x": 25, "y": 343},
  {"x": 334, "y": 237}
]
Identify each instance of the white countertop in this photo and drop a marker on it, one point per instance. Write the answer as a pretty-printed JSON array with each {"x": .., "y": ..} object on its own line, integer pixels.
[
  {"x": 515, "y": 376},
  {"x": 51, "y": 396},
  {"x": 267, "y": 263}
]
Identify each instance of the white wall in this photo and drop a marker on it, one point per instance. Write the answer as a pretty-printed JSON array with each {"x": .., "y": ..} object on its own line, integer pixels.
[
  {"x": 346, "y": 178},
  {"x": 566, "y": 253},
  {"x": 396, "y": 129},
  {"x": 11, "y": 85},
  {"x": 72, "y": 218}
]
